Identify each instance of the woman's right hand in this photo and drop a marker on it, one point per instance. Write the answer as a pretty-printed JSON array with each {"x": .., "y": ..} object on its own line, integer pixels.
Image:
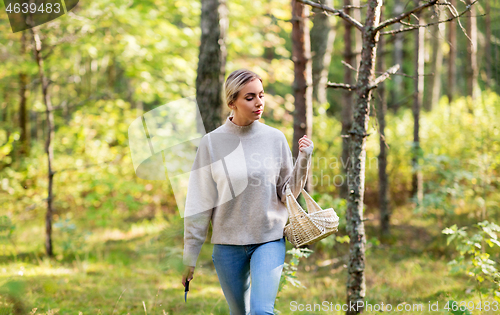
[{"x": 188, "y": 274}]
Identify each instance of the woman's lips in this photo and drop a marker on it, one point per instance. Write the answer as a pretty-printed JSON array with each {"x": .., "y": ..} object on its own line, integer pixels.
[{"x": 258, "y": 112}]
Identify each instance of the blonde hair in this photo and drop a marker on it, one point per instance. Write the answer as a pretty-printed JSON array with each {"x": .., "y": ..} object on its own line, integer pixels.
[{"x": 235, "y": 83}]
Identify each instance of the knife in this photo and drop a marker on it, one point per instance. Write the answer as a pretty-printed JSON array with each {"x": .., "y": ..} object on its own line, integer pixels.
[{"x": 186, "y": 291}]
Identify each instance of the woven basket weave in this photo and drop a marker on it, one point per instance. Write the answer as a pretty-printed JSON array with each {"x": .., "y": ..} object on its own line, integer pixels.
[{"x": 308, "y": 227}]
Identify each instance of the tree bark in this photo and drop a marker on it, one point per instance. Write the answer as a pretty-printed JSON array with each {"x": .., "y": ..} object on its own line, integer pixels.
[
  {"x": 452, "y": 57},
  {"x": 471, "y": 64},
  {"x": 417, "y": 186},
  {"x": 5, "y": 112},
  {"x": 437, "y": 32},
  {"x": 356, "y": 287},
  {"x": 487, "y": 43},
  {"x": 212, "y": 62},
  {"x": 347, "y": 97},
  {"x": 302, "y": 85},
  {"x": 322, "y": 38},
  {"x": 23, "y": 111},
  {"x": 397, "y": 91},
  {"x": 48, "y": 144},
  {"x": 382, "y": 158}
]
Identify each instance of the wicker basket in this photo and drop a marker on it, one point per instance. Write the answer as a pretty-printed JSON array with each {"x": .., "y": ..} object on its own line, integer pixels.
[{"x": 308, "y": 227}]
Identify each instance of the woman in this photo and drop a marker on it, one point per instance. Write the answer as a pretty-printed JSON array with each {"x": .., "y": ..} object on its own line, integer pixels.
[{"x": 238, "y": 183}]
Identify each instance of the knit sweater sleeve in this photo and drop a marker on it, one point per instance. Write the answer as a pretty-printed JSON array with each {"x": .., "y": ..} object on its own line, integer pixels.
[
  {"x": 294, "y": 175},
  {"x": 201, "y": 199}
]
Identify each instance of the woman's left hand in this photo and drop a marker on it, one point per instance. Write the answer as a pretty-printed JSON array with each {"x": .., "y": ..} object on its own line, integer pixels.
[{"x": 305, "y": 143}]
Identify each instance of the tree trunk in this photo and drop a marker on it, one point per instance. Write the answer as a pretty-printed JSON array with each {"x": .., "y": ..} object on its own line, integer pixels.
[
  {"x": 302, "y": 85},
  {"x": 452, "y": 57},
  {"x": 398, "y": 89},
  {"x": 5, "y": 112},
  {"x": 212, "y": 62},
  {"x": 471, "y": 64},
  {"x": 347, "y": 99},
  {"x": 356, "y": 14},
  {"x": 382, "y": 158},
  {"x": 417, "y": 189},
  {"x": 23, "y": 111},
  {"x": 356, "y": 287},
  {"x": 322, "y": 38},
  {"x": 487, "y": 43},
  {"x": 50, "y": 135},
  {"x": 437, "y": 33}
]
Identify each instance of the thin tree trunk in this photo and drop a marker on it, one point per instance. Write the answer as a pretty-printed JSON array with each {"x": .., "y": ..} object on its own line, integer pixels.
[
  {"x": 487, "y": 43},
  {"x": 397, "y": 91},
  {"x": 382, "y": 158},
  {"x": 437, "y": 33},
  {"x": 48, "y": 143},
  {"x": 356, "y": 14},
  {"x": 5, "y": 112},
  {"x": 356, "y": 287},
  {"x": 302, "y": 85},
  {"x": 417, "y": 185},
  {"x": 212, "y": 62},
  {"x": 347, "y": 100},
  {"x": 269, "y": 51},
  {"x": 471, "y": 64},
  {"x": 452, "y": 57},
  {"x": 23, "y": 111},
  {"x": 322, "y": 38}
]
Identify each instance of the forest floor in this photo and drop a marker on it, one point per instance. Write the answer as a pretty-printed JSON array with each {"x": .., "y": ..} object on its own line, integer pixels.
[{"x": 136, "y": 270}]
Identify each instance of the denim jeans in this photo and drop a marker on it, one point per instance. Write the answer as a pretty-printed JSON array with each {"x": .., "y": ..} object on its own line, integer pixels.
[{"x": 260, "y": 265}]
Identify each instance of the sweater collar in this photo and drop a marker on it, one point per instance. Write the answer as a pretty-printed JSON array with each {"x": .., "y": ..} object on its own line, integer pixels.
[{"x": 241, "y": 130}]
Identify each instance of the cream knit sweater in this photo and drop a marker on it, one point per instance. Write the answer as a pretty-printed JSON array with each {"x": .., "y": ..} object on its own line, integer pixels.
[{"x": 238, "y": 183}]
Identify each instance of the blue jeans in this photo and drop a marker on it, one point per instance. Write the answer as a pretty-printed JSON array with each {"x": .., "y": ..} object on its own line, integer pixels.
[{"x": 259, "y": 264}]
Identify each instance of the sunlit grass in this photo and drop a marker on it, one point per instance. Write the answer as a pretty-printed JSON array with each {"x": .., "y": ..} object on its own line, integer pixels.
[{"x": 129, "y": 272}]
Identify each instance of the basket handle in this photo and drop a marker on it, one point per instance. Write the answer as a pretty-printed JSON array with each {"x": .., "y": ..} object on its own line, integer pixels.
[
  {"x": 290, "y": 200},
  {"x": 312, "y": 205}
]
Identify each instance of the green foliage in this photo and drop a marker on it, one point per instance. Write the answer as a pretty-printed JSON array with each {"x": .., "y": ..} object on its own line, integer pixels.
[
  {"x": 70, "y": 239},
  {"x": 289, "y": 274},
  {"x": 7, "y": 228},
  {"x": 473, "y": 260}
]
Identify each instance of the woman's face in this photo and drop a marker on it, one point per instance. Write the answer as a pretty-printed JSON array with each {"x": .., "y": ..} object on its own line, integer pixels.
[{"x": 249, "y": 105}]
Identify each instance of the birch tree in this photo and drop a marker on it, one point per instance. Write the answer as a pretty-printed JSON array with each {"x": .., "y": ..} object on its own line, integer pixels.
[
  {"x": 37, "y": 47},
  {"x": 418, "y": 93}
]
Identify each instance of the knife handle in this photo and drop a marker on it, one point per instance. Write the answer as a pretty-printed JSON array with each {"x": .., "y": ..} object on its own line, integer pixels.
[{"x": 187, "y": 286}]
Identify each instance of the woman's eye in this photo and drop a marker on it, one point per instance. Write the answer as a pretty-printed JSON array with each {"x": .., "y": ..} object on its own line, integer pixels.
[{"x": 249, "y": 99}]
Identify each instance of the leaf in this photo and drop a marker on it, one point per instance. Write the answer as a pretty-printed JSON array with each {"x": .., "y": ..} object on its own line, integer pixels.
[
  {"x": 450, "y": 230},
  {"x": 495, "y": 242}
]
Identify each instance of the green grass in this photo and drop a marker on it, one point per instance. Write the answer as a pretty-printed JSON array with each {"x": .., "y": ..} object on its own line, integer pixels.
[{"x": 138, "y": 271}]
